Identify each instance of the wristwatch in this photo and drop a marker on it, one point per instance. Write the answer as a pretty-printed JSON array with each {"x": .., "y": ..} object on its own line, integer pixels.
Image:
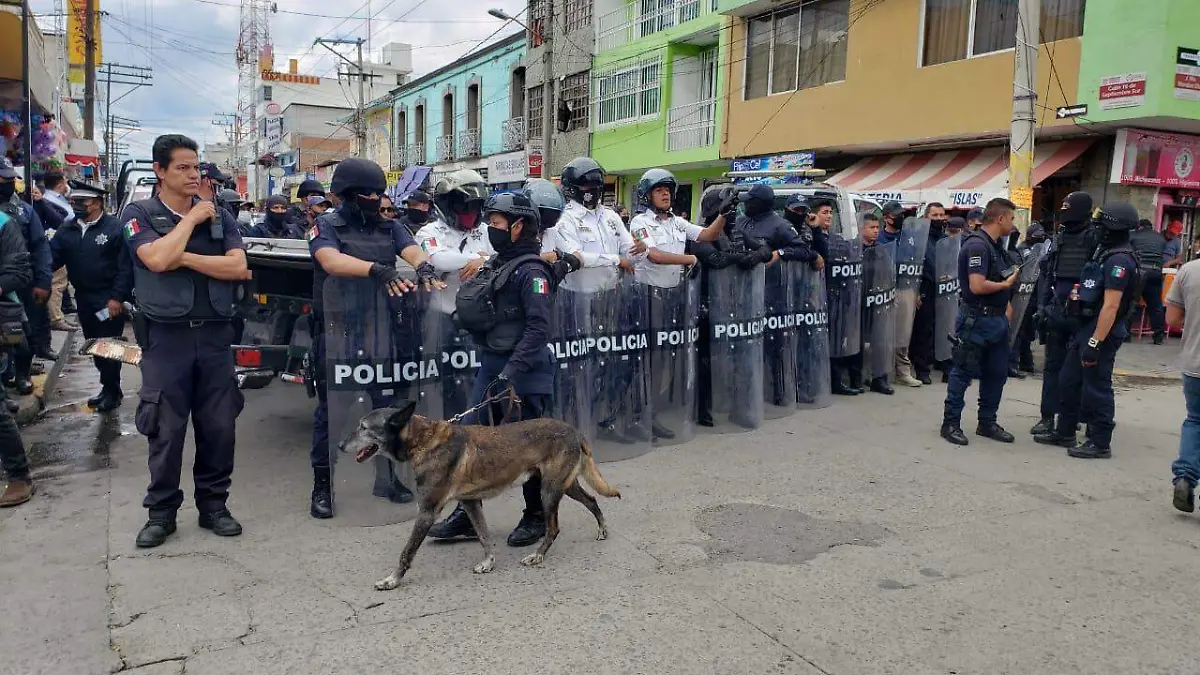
[{"x": 1093, "y": 343}]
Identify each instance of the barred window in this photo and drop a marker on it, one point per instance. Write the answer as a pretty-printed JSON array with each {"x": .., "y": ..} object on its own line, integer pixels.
[
  {"x": 573, "y": 92},
  {"x": 630, "y": 92},
  {"x": 533, "y": 121},
  {"x": 539, "y": 22},
  {"x": 578, "y": 15}
]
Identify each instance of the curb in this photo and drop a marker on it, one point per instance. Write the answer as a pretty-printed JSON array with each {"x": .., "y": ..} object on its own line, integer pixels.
[
  {"x": 45, "y": 384},
  {"x": 1146, "y": 378}
]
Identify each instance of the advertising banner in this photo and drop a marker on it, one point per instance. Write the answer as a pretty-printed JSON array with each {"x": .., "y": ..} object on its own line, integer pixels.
[{"x": 1156, "y": 158}]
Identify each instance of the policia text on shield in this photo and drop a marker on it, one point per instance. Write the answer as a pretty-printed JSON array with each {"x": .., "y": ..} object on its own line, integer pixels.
[{"x": 981, "y": 330}]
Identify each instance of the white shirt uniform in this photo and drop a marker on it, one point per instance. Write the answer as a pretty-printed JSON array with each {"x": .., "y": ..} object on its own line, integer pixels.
[
  {"x": 449, "y": 250},
  {"x": 669, "y": 235},
  {"x": 601, "y": 237}
]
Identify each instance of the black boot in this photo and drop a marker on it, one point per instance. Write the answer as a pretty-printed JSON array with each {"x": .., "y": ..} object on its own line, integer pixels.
[
  {"x": 456, "y": 526},
  {"x": 1055, "y": 438},
  {"x": 839, "y": 389},
  {"x": 995, "y": 432},
  {"x": 1159, "y": 338},
  {"x": 1089, "y": 450},
  {"x": 1044, "y": 426},
  {"x": 925, "y": 379},
  {"x": 156, "y": 530},
  {"x": 1015, "y": 373},
  {"x": 880, "y": 385},
  {"x": 109, "y": 400},
  {"x": 1183, "y": 496},
  {"x": 954, "y": 434},
  {"x": 321, "y": 502},
  {"x": 856, "y": 382},
  {"x": 221, "y": 523},
  {"x": 661, "y": 431},
  {"x": 23, "y": 386},
  {"x": 531, "y": 529},
  {"x": 95, "y": 400}
]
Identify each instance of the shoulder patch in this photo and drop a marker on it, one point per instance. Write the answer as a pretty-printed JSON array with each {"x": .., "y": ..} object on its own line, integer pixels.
[
  {"x": 313, "y": 232},
  {"x": 975, "y": 260},
  {"x": 132, "y": 228},
  {"x": 1118, "y": 272},
  {"x": 541, "y": 286}
]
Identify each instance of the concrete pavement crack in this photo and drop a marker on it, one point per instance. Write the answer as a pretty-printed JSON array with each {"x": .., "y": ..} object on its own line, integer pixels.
[
  {"x": 770, "y": 637},
  {"x": 169, "y": 659}
]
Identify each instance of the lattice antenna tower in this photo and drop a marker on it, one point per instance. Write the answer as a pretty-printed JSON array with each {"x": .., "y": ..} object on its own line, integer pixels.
[
  {"x": 61, "y": 88},
  {"x": 254, "y": 39}
]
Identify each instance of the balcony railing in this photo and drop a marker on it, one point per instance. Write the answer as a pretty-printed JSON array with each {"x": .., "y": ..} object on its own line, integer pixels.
[
  {"x": 444, "y": 149},
  {"x": 627, "y": 23},
  {"x": 513, "y": 132},
  {"x": 692, "y": 126},
  {"x": 468, "y": 143},
  {"x": 414, "y": 155}
]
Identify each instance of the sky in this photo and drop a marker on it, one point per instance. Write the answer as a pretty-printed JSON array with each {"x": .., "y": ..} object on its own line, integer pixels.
[{"x": 190, "y": 44}]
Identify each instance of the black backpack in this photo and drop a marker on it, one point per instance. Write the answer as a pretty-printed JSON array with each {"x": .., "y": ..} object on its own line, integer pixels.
[{"x": 475, "y": 307}]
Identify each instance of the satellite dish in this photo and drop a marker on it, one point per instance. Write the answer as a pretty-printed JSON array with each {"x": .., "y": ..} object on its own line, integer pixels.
[{"x": 276, "y": 172}]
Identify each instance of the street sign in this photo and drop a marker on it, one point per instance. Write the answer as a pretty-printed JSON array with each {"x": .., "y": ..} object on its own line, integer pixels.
[
  {"x": 1187, "y": 74},
  {"x": 273, "y": 108},
  {"x": 1063, "y": 112}
]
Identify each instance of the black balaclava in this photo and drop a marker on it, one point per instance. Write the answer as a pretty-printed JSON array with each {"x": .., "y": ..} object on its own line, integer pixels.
[
  {"x": 363, "y": 208},
  {"x": 757, "y": 207},
  {"x": 1076, "y": 211},
  {"x": 8, "y": 188},
  {"x": 416, "y": 216}
]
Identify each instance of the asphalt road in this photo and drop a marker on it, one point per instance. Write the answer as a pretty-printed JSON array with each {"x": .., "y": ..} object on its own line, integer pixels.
[{"x": 850, "y": 540}]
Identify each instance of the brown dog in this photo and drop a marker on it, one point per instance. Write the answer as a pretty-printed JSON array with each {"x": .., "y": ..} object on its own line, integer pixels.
[{"x": 472, "y": 463}]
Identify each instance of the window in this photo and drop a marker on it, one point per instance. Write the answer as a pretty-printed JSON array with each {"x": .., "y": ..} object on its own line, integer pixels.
[
  {"x": 539, "y": 22},
  {"x": 579, "y": 15},
  {"x": 533, "y": 121},
  {"x": 629, "y": 93},
  {"x": 517, "y": 94},
  {"x": 448, "y": 115},
  {"x": 473, "y": 106},
  {"x": 956, "y": 29},
  {"x": 573, "y": 102},
  {"x": 796, "y": 48},
  {"x": 266, "y": 93},
  {"x": 401, "y": 131},
  {"x": 419, "y": 124}
]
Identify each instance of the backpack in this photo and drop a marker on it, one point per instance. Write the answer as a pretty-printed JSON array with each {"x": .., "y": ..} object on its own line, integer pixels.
[{"x": 475, "y": 307}]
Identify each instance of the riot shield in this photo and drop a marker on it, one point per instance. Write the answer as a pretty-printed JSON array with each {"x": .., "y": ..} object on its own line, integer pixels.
[
  {"x": 731, "y": 399},
  {"x": 375, "y": 357},
  {"x": 1023, "y": 291},
  {"x": 812, "y": 321},
  {"x": 602, "y": 379},
  {"x": 673, "y": 335},
  {"x": 879, "y": 310},
  {"x": 458, "y": 360},
  {"x": 844, "y": 284},
  {"x": 779, "y": 339},
  {"x": 910, "y": 262},
  {"x": 945, "y": 310}
]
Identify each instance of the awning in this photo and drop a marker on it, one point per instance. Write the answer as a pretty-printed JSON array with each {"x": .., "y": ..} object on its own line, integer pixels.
[{"x": 957, "y": 178}]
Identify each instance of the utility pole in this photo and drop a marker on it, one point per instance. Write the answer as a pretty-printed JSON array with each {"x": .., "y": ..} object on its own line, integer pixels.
[
  {"x": 1024, "y": 110},
  {"x": 131, "y": 76},
  {"x": 89, "y": 70},
  {"x": 360, "y": 121}
]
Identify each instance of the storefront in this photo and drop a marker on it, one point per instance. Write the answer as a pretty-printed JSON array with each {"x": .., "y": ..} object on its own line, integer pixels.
[
  {"x": 507, "y": 172},
  {"x": 1165, "y": 163}
]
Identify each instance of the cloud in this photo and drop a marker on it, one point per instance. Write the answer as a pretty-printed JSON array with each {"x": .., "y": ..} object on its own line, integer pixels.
[{"x": 190, "y": 44}]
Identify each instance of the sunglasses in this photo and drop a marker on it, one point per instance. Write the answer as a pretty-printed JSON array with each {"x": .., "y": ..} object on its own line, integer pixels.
[{"x": 388, "y": 209}]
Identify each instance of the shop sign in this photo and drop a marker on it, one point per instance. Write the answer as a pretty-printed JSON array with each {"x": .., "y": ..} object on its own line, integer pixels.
[
  {"x": 507, "y": 168},
  {"x": 535, "y": 164},
  {"x": 965, "y": 199},
  {"x": 1157, "y": 159},
  {"x": 1187, "y": 74},
  {"x": 792, "y": 161},
  {"x": 1122, "y": 91},
  {"x": 274, "y": 134},
  {"x": 884, "y": 197}
]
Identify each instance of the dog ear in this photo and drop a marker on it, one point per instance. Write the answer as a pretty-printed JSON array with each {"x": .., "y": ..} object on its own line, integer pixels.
[{"x": 399, "y": 419}]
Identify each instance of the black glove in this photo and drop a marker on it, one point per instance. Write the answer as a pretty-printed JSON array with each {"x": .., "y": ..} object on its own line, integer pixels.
[
  {"x": 728, "y": 205},
  {"x": 572, "y": 261},
  {"x": 748, "y": 260},
  {"x": 765, "y": 253},
  {"x": 1089, "y": 356},
  {"x": 691, "y": 271},
  {"x": 384, "y": 274},
  {"x": 426, "y": 273}
]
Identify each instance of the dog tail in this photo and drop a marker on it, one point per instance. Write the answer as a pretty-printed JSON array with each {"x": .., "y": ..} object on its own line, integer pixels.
[{"x": 592, "y": 475}]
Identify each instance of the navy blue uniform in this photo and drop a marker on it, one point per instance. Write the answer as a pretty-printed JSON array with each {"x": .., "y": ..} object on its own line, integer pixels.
[
  {"x": 1087, "y": 393},
  {"x": 346, "y": 234},
  {"x": 39, "y": 260},
  {"x": 982, "y": 322},
  {"x": 14, "y": 273},
  {"x": 187, "y": 364},
  {"x": 290, "y": 230},
  {"x": 99, "y": 266},
  {"x": 886, "y": 237},
  {"x": 921, "y": 343}
]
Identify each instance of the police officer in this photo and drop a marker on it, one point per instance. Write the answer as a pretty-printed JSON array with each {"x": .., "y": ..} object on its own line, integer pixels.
[
  {"x": 212, "y": 183},
  {"x": 893, "y": 222},
  {"x": 236, "y": 205},
  {"x": 356, "y": 241},
  {"x": 37, "y": 293},
  {"x": 514, "y": 353},
  {"x": 416, "y": 210},
  {"x": 1108, "y": 287},
  {"x": 921, "y": 344},
  {"x": 315, "y": 207},
  {"x": 987, "y": 277},
  {"x": 15, "y": 272},
  {"x": 187, "y": 257},
  {"x": 869, "y": 229},
  {"x": 1073, "y": 246},
  {"x": 731, "y": 247},
  {"x": 1149, "y": 245},
  {"x": 92, "y": 248},
  {"x": 595, "y": 235},
  {"x": 974, "y": 219},
  {"x": 664, "y": 236},
  {"x": 1020, "y": 361},
  {"x": 297, "y": 212},
  {"x": 276, "y": 224}
]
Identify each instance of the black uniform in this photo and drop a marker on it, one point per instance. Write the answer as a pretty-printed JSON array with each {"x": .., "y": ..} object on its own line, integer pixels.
[
  {"x": 1148, "y": 246},
  {"x": 187, "y": 364},
  {"x": 99, "y": 266},
  {"x": 921, "y": 343},
  {"x": 38, "y": 333},
  {"x": 15, "y": 272}
]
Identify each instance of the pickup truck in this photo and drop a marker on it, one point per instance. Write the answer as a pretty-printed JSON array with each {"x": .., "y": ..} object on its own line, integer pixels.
[{"x": 275, "y": 307}]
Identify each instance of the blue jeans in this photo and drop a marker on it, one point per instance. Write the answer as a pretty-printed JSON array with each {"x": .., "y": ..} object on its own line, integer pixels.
[{"x": 1188, "y": 464}]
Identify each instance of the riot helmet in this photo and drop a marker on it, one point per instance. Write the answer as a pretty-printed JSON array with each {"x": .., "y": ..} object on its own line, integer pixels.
[
  {"x": 758, "y": 200},
  {"x": 1116, "y": 217},
  {"x": 353, "y": 180},
  {"x": 232, "y": 198},
  {"x": 1075, "y": 210},
  {"x": 716, "y": 200},
  {"x": 511, "y": 207},
  {"x": 547, "y": 198},
  {"x": 460, "y": 196},
  {"x": 310, "y": 187},
  {"x": 1036, "y": 233},
  {"x": 652, "y": 179},
  {"x": 583, "y": 181}
]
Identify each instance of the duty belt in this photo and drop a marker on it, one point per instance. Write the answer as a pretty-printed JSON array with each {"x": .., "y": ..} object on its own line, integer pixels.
[{"x": 986, "y": 310}]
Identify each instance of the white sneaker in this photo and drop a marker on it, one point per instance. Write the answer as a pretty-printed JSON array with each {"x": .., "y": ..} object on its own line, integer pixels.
[{"x": 908, "y": 380}]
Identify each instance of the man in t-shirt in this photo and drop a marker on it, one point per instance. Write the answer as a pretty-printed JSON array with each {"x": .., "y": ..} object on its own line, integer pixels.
[{"x": 1183, "y": 300}]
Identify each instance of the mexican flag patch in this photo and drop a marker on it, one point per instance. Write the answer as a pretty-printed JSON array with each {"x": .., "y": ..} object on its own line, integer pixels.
[
  {"x": 642, "y": 234},
  {"x": 428, "y": 244},
  {"x": 132, "y": 228},
  {"x": 1118, "y": 272},
  {"x": 312, "y": 232},
  {"x": 541, "y": 286}
]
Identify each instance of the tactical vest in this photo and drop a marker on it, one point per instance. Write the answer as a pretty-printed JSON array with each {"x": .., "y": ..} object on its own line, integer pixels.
[
  {"x": 12, "y": 208},
  {"x": 489, "y": 314},
  {"x": 1091, "y": 286},
  {"x": 170, "y": 297},
  {"x": 1072, "y": 251},
  {"x": 372, "y": 244},
  {"x": 1148, "y": 247}
]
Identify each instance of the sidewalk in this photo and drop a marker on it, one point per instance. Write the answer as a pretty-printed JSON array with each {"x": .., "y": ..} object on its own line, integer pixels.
[
  {"x": 45, "y": 384},
  {"x": 1147, "y": 363}
]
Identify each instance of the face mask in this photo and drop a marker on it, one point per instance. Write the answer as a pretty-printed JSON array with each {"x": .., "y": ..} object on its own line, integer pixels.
[
  {"x": 7, "y": 190},
  {"x": 625, "y": 219},
  {"x": 796, "y": 219},
  {"x": 499, "y": 239},
  {"x": 416, "y": 216},
  {"x": 81, "y": 213},
  {"x": 368, "y": 209},
  {"x": 591, "y": 197},
  {"x": 756, "y": 207},
  {"x": 275, "y": 220}
]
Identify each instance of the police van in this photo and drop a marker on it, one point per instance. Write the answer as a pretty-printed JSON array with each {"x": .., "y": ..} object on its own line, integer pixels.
[{"x": 788, "y": 182}]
